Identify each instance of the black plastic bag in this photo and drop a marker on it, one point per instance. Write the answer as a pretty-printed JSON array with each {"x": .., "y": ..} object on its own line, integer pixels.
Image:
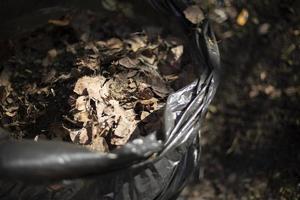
[{"x": 145, "y": 168}]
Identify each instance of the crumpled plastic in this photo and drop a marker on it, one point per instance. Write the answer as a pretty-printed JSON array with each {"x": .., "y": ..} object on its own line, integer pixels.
[{"x": 145, "y": 168}]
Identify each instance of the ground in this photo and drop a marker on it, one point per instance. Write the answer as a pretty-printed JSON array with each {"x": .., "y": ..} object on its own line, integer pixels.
[{"x": 251, "y": 135}]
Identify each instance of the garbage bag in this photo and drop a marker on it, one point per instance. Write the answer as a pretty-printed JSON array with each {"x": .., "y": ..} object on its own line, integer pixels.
[{"x": 149, "y": 167}]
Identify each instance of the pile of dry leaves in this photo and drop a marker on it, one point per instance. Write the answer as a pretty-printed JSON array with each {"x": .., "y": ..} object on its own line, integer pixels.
[{"x": 93, "y": 81}]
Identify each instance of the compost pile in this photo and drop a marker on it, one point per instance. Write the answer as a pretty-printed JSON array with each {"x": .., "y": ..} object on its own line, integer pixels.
[{"x": 91, "y": 80}]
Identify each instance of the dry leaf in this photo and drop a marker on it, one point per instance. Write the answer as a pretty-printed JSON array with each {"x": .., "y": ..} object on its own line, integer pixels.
[
  {"x": 97, "y": 130},
  {"x": 59, "y": 22},
  {"x": 100, "y": 109},
  {"x": 71, "y": 48},
  {"x": 82, "y": 117},
  {"x": 118, "y": 110},
  {"x": 103, "y": 106},
  {"x": 11, "y": 114},
  {"x": 177, "y": 52},
  {"x": 78, "y": 136},
  {"x": 144, "y": 114},
  {"x": 128, "y": 62},
  {"x": 99, "y": 145},
  {"x": 90, "y": 62},
  {"x": 159, "y": 86},
  {"x": 110, "y": 5},
  {"x": 4, "y": 93},
  {"x": 264, "y": 28},
  {"x": 123, "y": 128},
  {"x": 49, "y": 76},
  {"x": 83, "y": 137},
  {"x": 242, "y": 18},
  {"x": 35, "y": 90},
  {"x": 125, "y": 123},
  {"x": 149, "y": 101},
  {"x": 5, "y": 76},
  {"x": 5, "y": 85},
  {"x": 148, "y": 56},
  {"x": 145, "y": 94},
  {"x": 81, "y": 103},
  {"x": 91, "y": 85},
  {"x": 92, "y": 46},
  {"x": 113, "y": 43},
  {"x": 52, "y": 53},
  {"x": 137, "y": 42},
  {"x": 194, "y": 14},
  {"x": 62, "y": 77},
  {"x": 171, "y": 77},
  {"x": 40, "y": 137}
]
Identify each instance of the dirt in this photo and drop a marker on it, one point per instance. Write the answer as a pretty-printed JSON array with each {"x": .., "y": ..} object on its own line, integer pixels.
[
  {"x": 251, "y": 137},
  {"x": 97, "y": 86}
]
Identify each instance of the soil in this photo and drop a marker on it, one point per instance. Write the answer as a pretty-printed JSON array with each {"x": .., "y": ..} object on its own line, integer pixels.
[{"x": 251, "y": 137}]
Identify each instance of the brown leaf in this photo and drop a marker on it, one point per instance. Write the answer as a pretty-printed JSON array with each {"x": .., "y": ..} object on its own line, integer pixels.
[
  {"x": 49, "y": 76},
  {"x": 113, "y": 43},
  {"x": 137, "y": 42},
  {"x": 82, "y": 117},
  {"x": 194, "y": 14},
  {"x": 11, "y": 114},
  {"x": 145, "y": 93},
  {"x": 4, "y": 93},
  {"x": 110, "y": 5},
  {"x": 101, "y": 107},
  {"x": 63, "y": 77},
  {"x": 144, "y": 114},
  {"x": 81, "y": 103},
  {"x": 118, "y": 110},
  {"x": 149, "y": 101},
  {"x": 264, "y": 28},
  {"x": 40, "y": 137},
  {"x": 128, "y": 62},
  {"x": 242, "y": 18},
  {"x": 51, "y": 55},
  {"x": 83, "y": 137},
  {"x": 159, "y": 86},
  {"x": 125, "y": 123},
  {"x": 5, "y": 77},
  {"x": 92, "y": 46},
  {"x": 171, "y": 77},
  {"x": 79, "y": 136},
  {"x": 97, "y": 130},
  {"x": 11, "y": 111},
  {"x": 148, "y": 56},
  {"x": 98, "y": 144},
  {"x": 59, "y": 22},
  {"x": 33, "y": 89},
  {"x": 93, "y": 87},
  {"x": 177, "y": 52}
]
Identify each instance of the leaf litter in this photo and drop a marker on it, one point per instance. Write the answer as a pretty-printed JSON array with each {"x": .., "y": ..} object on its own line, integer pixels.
[{"x": 98, "y": 88}]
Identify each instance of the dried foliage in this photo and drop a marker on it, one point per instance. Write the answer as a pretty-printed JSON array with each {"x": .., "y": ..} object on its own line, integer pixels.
[{"x": 97, "y": 86}]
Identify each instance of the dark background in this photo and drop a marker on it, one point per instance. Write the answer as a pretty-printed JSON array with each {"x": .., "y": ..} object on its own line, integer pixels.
[{"x": 251, "y": 137}]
